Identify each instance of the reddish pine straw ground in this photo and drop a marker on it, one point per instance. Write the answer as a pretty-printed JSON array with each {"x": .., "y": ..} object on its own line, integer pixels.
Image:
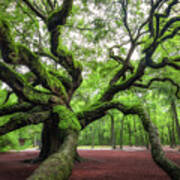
[{"x": 103, "y": 165}]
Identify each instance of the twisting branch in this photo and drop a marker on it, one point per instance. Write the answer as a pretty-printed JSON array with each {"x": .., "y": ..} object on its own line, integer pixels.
[
  {"x": 165, "y": 62},
  {"x": 154, "y": 7},
  {"x": 146, "y": 86},
  {"x": 23, "y": 119},
  {"x": 113, "y": 89},
  {"x": 22, "y": 89},
  {"x": 158, "y": 33},
  {"x": 36, "y": 11},
  {"x": 158, "y": 155},
  {"x": 124, "y": 4},
  {"x": 19, "y": 54},
  {"x": 168, "y": 24},
  {"x": 124, "y": 61},
  {"x": 55, "y": 23},
  {"x": 170, "y": 35}
]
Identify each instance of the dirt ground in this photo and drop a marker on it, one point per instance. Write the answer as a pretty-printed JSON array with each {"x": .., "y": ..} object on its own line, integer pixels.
[{"x": 103, "y": 165}]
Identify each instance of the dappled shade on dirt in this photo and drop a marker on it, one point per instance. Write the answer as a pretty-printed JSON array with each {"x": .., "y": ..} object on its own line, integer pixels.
[{"x": 102, "y": 165}]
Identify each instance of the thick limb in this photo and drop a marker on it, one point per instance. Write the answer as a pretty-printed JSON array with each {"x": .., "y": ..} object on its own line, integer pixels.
[
  {"x": 99, "y": 110},
  {"x": 52, "y": 138},
  {"x": 22, "y": 88},
  {"x": 59, "y": 165},
  {"x": 23, "y": 119},
  {"x": 158, "y": 155}
]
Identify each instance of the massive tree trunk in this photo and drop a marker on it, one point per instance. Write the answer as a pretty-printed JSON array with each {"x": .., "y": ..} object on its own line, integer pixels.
[
  {"x": 51, "y": 139},
  {"x": 58, "y": 166}
]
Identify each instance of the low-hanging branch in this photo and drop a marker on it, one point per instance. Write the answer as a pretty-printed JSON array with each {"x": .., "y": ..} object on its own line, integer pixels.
[
  {"x": 23, "y": 119},
  {"x": 99, "y": 110}
]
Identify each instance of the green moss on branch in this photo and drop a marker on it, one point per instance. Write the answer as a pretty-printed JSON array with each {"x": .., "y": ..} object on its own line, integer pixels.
[{"x": 68, "y": 119}]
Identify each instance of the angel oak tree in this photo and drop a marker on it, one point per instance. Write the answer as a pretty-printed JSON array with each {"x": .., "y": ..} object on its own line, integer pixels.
[{"x": 50, "y": 105}]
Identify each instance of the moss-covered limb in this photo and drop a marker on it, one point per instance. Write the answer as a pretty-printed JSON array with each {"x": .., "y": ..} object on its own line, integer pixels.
[
  {"x": 59, "y": 165},
  {"x": 172, "y": 169},
  {"x": 65, "y": 57},
  {"x": 55, "y": 23},
  {"x": 99, "y": 109},
  {"x": 31, "y": 78},
  {"x": 14, "y": 53},
  {"x": 22, "y": 89},
  {"x": 10, "y": 109},
  {"x": 21, "y": 119},
  {"x": 45, "y": 78},
  {"x": 65, "y": 80},
  {"x": 115, "y": 88},
  {"x": 68, "y": 119}
]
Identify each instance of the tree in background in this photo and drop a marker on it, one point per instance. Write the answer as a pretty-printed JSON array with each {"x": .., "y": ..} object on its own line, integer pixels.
[{"x": 32, "y": 34}]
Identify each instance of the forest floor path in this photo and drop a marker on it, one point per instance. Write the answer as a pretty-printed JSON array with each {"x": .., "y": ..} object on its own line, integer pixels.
[{"x": 129, "y": 164}]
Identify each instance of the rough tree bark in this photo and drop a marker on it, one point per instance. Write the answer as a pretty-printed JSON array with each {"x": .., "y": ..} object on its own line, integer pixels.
[{"x": 58, "y": 166}]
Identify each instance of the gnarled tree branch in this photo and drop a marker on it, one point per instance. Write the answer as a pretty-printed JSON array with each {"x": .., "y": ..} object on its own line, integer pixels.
[
  {"x": 23, "y": 119},
  {"x": 146, "y": 86},
  {"x": 158, "y": 155}
]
